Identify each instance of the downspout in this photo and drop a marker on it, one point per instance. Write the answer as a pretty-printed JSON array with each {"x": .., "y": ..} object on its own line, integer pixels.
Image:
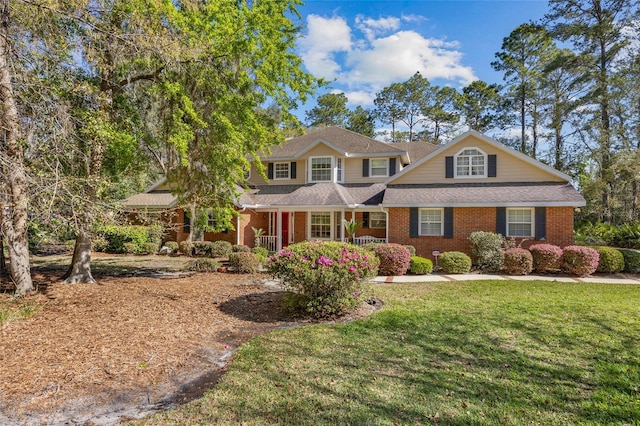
[{"x": 386, "y": 231}]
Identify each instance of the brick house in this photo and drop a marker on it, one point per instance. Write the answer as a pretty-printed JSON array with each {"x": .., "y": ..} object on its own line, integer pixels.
[{"x": 429, "y": 196}]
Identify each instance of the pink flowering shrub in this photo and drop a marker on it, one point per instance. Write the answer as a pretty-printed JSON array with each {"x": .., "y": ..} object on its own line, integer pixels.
[
  {"x": 546, "y": 257},
  {"x": 324, "y": 278},
  {"x": 580, "y": 260},
  {"x": 394, "y": 258},
  {"x": 517, "y": 261}
]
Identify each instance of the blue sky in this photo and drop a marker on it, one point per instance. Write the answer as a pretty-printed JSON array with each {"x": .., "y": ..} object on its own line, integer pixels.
[{"x": 366, "y": 45}]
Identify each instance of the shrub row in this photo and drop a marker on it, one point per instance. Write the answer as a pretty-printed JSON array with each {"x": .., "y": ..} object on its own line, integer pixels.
[
  {"x": 131, "y": 239},
  {"x": 626, "y": 236}
]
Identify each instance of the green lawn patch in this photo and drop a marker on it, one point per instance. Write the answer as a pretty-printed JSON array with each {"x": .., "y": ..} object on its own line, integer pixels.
[{"x": 465, "y": 353}]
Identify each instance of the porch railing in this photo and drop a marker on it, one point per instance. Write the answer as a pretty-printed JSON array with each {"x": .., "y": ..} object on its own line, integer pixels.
[
  {"x": 365, "y": 239},
  {"x": 270, "y": 242}
]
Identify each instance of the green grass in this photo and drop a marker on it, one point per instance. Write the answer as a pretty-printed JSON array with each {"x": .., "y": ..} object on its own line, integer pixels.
[
  {"x": 12, "y": 309},
  {"x": 466, "y": 353}
]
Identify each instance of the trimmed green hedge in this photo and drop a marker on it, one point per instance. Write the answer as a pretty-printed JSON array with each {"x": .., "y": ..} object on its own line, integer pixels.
[
  {"x": 611, "y": 260},
  {"x": 631, "y": 260},
  {"x": 455, "y": 262},
  {"x": 420, "y": 265}
]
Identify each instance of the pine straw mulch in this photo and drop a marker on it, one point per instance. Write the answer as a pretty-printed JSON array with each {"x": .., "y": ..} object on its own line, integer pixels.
[{"x": 127, "y": 345}]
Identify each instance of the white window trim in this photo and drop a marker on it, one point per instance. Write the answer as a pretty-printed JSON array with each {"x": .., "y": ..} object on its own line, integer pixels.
[
  {"x": 441, "y": 210},
  {"x": 386, "y": 167},
  {"x": 330, "y": 225},
  {"x": 371, "y": 220},
  {"x": 275, "y": 172},
  {"x": 469, "y": 176},
  {"x": 533, "y": 222},
  {"x": 339, "y": 169},
  {"x": 332, "y": 169}
]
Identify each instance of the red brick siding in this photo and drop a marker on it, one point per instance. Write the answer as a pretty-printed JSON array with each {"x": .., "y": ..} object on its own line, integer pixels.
[{"x": 469, "y": 219}]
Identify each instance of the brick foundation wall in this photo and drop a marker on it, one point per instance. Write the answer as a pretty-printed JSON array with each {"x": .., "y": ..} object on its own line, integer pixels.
[{"x": 466, "y": 220}]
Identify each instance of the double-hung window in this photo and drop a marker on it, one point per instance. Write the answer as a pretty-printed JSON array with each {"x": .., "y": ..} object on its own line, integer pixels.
[
  {"x": 379, "y": 167},
  {"x": 431, "y": 222},
  {"x": 321, "y": 169},
  {"x": 520, "y": 222},
  {"x": 377, "y": 220},
  {"x": 282, "y": 171},
  {"x": 320, "y": 224},
  {"x": 471, "y": 162}
]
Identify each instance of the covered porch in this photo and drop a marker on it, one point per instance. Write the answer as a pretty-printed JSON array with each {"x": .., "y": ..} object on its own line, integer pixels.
[{"x": 285, "y": 226}]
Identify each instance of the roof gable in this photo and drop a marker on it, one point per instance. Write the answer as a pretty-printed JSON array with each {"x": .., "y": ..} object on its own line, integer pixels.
[
  {"x": 468, "y": 138},
  {"x": 345, "y": 142}
]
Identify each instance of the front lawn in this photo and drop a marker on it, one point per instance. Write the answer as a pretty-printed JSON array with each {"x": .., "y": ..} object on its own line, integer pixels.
[{"x": 476, "y": 352}]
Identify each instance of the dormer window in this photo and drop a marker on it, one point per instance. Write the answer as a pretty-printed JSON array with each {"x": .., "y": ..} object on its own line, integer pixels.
[
  {"x": 471, "y": 162},
  {"x": 282, "y": 171},
  {"x": 320, "y": 169},
  {"x": 379, "y": 167}
]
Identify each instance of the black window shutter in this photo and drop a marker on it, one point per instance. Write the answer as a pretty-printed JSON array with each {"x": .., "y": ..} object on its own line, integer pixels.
[
  {"x": 392, "y": 166},
  {"x": 492, "y": 169},
  {"x": 186, "y": 222},
  {"x": 501, "y": 221},
  {"x": 448, "y": 222},
  {"x": 413, "y": 222},
  {"x": 541, "y": 223},
  {"x": 270, "y": 170},
  {"x": 292, "y": 169},
  {"x": 365, "y": 167},
  {"x": 365, "y": 219},
  {"x": 448, "y": 162}
]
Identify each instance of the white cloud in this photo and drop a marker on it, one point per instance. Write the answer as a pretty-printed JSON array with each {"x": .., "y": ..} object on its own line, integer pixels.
[
  {"x": 385, "y": 55},
  {"x": 374, "y": 27},
  {"x": 325, "y": 37},
  {"x": 413, "y": 18},
  {"x": 399, "y": 56},
  {"x": 360, "y": 97}
]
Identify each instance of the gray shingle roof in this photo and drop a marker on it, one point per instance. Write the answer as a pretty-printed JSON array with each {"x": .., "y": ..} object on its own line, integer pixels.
[
  {"x": 344, "y": 140},
  {"x": 318, "y": 194},
  {"x": 416, "y": 150},
  {"x": 151, "y": 200},
  {"x": 483, "y": 194}
]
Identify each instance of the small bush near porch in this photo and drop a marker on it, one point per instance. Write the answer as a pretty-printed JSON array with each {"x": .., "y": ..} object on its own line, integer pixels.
[{"x": 326, "y": 278}]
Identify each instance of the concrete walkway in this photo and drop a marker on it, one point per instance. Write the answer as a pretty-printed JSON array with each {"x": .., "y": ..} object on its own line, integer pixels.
[{"x": 437, "y": 277}]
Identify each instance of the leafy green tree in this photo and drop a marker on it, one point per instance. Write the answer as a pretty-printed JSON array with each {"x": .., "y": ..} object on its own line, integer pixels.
[
  {"x": 480, "y": 105},
  {"x": 559, "y": 89},
  {"x": 594, "y": 29},
  {"x": 441, "y": 113},
  {"x": 331, "y": 110},
  {"x": 522, "y": 59},
  {"x": 389, "y": 108},
  {"x": 362, "y": 120},
  {"x": 200, "y": 87}
]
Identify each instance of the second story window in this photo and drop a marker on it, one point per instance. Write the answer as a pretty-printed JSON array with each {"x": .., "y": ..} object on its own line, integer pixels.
[
  {"x": 281, "y": 171},
  {"x": 379, "y": 167},
  {"x": 321, "y": 170},
  {"x": 471, "y": 162}
]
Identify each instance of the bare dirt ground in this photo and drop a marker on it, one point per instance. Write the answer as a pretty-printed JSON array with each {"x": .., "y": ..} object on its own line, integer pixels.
[{"x": 129, "y": 345}]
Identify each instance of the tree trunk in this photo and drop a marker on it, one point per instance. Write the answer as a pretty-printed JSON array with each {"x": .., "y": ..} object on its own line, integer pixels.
[
  {"x": 80, "y": 269},
  {"x": 13, "y": 197}
]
